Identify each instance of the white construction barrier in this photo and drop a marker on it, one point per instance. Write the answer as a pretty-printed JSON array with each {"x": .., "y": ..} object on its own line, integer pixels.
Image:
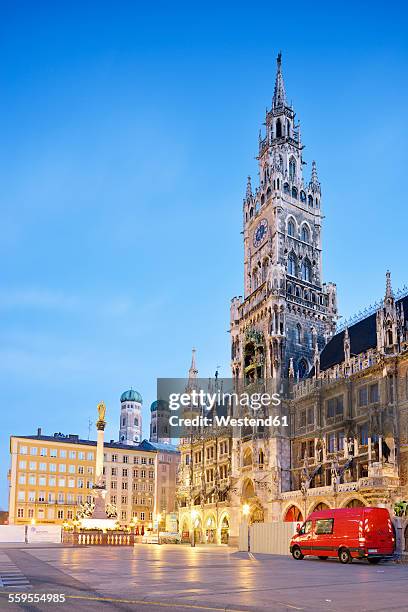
[
  {"x": 12, "y": 533},
  {"x": 267, "y": 538},
  {"x": 44, "y": 533}
]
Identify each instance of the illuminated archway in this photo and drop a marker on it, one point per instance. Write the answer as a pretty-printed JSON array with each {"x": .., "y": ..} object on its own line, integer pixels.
[
  {"x": 247, "y": 460},
  {"x": 248, "y": 489},
  {"x": 210, "y": 529},
  {"x": 293, "y": 515},
  {"x": 354, "y": 503},
  {"x": 224, "y": 529},
  {"x": 321, "y": 506}
]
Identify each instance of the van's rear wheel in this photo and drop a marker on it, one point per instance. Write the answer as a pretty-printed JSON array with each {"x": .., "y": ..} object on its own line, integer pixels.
[
  {"x": 374, "y": 560},
  {"x": 345, "y": 556},
  {"x": 322, "y": 557},
  {"x": 297, "y": 553}
]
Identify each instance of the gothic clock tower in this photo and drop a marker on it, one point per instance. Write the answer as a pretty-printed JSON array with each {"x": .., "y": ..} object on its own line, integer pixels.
[{"x": 288, "y": 312}]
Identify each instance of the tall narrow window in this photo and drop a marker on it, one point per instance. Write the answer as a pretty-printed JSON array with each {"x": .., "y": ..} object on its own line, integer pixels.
[
  {"x": 292, "y": 265},
  {"x": 291, "y": 228},
  {"x": 302, "y": 368},
  {"x": 278, "y": 128},
  {"x": 299, "y": 333},
  {"x": 305, "y": 234},
  {"x": 305, "y": 271},
  {"x": 292, "y": 169}
]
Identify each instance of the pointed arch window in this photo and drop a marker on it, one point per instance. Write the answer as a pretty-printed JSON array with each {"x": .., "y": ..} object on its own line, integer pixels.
[
  {"x": 306, "y": 271},
  {"x": 305, "y": 234},
  {"x": 292, "y": 264},
  {"x": 292, "y": 169},
  {"x": 278, "y": 128},
  {"x": 302, "y": 368},
  {"x": 302, "y": 196},
  {"x": 286, "y": 188},
  {"x": 294, "y": 193},
  {"x": 291, "y": 228},
  {"x": 310, "y": 200}
]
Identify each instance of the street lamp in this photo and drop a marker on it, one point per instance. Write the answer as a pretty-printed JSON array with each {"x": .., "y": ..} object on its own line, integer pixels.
[
  {"x": 158, "y": 518},
  {"x": 245, "y": 514},
  {"x": 194, "y": 515}
]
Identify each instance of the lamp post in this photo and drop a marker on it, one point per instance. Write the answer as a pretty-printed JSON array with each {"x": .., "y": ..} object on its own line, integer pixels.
[
  {"x": 158, "y": 518},
  {"x": 245, "y": 514},
  {"x": 193, "y": 519}
]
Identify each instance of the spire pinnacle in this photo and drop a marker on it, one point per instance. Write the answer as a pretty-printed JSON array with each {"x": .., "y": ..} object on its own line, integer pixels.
[
  {"x": 388, "y": 288},
  {"x": 192, "y": 373},
  {"x": 248, "y": 188},
  {"x": 314, "y": 181},
  {"x": 279, "y": 95}
]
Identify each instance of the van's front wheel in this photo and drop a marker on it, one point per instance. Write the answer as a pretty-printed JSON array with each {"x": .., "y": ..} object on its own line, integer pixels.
[
  {"x": 297, "y": 553},
  {"x": 345, "y": 556}
]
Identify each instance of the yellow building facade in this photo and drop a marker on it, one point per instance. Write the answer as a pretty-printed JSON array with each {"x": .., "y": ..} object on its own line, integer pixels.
[{"x": 52, "y": 476}]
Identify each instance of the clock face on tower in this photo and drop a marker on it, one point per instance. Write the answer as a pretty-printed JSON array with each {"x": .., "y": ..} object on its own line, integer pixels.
[{"x": 260, "y": 232}]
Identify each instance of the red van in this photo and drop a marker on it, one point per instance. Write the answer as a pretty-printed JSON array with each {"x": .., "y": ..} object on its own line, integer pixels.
[{"x": 346, "y": 533}]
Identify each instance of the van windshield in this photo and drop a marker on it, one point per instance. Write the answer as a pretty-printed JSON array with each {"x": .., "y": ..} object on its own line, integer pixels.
[{"x": 306, "y": 527}]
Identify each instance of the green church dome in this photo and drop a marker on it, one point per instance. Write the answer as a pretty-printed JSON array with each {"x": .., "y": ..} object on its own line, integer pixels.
[
  {"x": 159, "y": 404},
  {"x": 131, "y": 396}
]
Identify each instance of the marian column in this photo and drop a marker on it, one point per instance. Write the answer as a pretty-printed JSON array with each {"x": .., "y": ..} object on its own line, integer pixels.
[{"x": 99, "y": 488}]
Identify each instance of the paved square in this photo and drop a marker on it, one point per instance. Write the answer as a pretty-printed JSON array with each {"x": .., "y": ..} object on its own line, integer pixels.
[{"x": 153, "y": 578}]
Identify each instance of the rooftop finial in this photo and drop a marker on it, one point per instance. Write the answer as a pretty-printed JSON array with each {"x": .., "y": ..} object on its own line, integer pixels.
[{"x": 279, "y": 96}]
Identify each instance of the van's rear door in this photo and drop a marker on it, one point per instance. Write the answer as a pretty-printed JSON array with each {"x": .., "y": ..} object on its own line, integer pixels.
[{"x": 378, "y": 531}]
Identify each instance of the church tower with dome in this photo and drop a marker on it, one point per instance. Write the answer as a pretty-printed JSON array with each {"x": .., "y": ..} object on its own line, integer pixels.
[
  {"x": 130, "y": 429},
  {"x": 159, "y": 422}
]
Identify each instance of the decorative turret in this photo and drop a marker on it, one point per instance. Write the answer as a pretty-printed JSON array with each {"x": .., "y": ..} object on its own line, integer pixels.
[
  {"x": 249, "y": 189},
  {"x": 387, "y": 321},
  {"x": 347, "y": 351},
  {"x": 314, "y": 184},
  {"x": 193, "y": 372}
]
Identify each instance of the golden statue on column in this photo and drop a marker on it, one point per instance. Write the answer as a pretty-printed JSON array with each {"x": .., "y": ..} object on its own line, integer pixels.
[{"x": 100, "y": 423}]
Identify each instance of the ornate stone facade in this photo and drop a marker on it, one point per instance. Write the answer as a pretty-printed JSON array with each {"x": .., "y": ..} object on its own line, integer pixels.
[{"x": 345, "y": 393}]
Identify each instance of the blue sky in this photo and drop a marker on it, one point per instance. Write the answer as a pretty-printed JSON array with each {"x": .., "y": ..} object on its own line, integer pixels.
[{"x": 127, "y": 132}]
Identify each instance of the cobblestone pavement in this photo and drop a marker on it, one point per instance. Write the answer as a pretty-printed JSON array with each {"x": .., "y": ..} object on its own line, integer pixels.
[{"x": 152, "y": 578}]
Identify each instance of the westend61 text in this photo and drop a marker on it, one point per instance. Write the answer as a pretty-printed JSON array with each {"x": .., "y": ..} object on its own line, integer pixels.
[{"x": 225, "y": 421}]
